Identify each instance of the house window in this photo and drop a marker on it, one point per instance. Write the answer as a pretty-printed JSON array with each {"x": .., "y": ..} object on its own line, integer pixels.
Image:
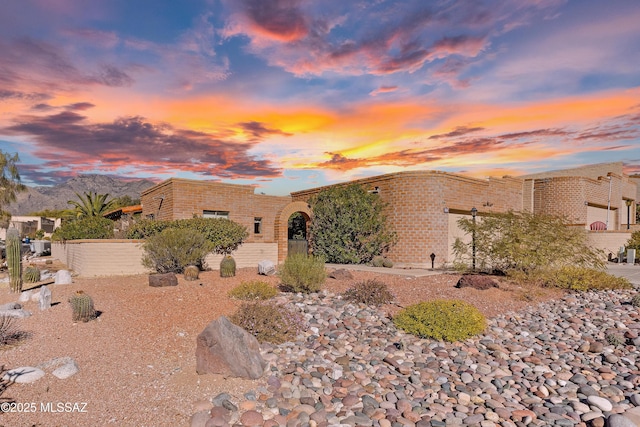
[
  {"x": 257, "y": 225},
  {"x": 215, "y": 214}
]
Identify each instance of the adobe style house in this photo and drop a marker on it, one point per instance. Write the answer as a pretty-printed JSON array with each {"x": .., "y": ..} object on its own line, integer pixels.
[
  {"x": 27, "y": 225},
  {"x": 423, "y": 207}
]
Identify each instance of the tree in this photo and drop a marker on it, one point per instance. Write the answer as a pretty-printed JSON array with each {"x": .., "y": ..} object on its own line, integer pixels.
[
  {"x": 91, "y": 204},
  {"x": 525, "y": 242},
  {"x": 349, "y": 225},
  {"x": 10, "y": 183}
]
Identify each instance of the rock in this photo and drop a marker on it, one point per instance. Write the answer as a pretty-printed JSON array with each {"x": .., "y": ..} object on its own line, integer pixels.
[
  {"x": 63, "y": 277},
  {"x": 10, "y": 306},
  {"x": 224, "y": 348},
  {"x": 341, "y": 274},
  {"x": 199, "y": 419},
  {"x": 23, "y": 375},
  {"x": 600, "y": 402},
  {"x": 476, "y": 281},
  {"x": 45, "y": 298},
  {"x": 266, "y": 268},
  {"x": 251, "y": 418},
  {"x": 67, "y": 370},
  {"x": 19, "y": 314},
  {"x": 162, "y": 280},
  {"x": 617, "y": 420},
  {"x": 25, "y": 296}
]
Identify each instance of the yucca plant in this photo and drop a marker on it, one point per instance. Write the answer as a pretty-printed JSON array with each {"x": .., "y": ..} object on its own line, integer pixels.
[{"x": 82, "y": 306}]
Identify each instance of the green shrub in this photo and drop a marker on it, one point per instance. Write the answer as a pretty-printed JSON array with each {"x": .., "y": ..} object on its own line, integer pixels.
[
  {"x": 349, "y": 225},
  {"x": 302, "y": 273},
  {"x": 634, "y": 241},
  {"x": 268, "y": 323},
  {"x": 146, "y": 228},
  {"x": 449, "y": 320},
  {"x": 255, "y": 290},
  {"x": 370, "y": 292},
  {"x": 583, "y": 279},
  {"x": 635, "y": 300},
  {"x": 91, "y": 227},
  {"x": 615, "y": 339},
  {"x": 173, "y": 249}
]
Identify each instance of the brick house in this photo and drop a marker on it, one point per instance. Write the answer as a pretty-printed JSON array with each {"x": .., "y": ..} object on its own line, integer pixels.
[{"x": 423, "y": 207}]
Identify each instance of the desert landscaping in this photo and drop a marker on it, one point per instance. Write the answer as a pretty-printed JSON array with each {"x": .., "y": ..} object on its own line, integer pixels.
[{"x": 137, "y": 359}]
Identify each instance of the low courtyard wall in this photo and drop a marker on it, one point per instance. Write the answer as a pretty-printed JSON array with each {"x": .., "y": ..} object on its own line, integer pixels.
[
  {"x": 120, "y": 257},
  {"x": 608, "y": 241}
]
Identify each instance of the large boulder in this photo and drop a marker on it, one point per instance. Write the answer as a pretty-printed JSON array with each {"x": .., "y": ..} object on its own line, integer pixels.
[
  {"x": 266, "y": 268},
  {"x": 162, "y": 280},
  {"x": 476, "y": 281},
  {"x": 227, "y": 349},
  {"x": 63, "y": 277}
]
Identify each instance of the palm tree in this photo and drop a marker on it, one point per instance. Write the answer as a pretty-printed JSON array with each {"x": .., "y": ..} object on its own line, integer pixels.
[{"x": 91, "y": 204}]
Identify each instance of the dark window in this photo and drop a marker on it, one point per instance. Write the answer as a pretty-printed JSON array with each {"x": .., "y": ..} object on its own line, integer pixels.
[{"x": 257, "y": 225}]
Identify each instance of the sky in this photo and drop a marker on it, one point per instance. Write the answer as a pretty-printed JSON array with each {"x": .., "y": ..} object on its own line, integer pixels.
[{"x": 294, "y": 94}]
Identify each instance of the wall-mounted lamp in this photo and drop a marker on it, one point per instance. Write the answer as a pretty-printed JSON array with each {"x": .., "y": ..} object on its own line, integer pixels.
[
  {"x": 446, "y": 210},
  {"x": 376, "y": 190}
]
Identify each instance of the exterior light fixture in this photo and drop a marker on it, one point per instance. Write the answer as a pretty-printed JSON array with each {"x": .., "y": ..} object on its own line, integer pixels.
[
  {"x": 628, "y": 202},
  {"x": 474, "y": 212}
]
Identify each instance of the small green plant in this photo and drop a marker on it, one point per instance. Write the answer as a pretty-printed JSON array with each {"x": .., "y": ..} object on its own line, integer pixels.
[
  {"x": 32, "y": 274},
  {"x": 448, "y": 320},
  {"x": 615, "y": 339},
  {"x": 172, "y": 250},
  {"x": 577, "y": 278},
  {"x": 191, "y": 272},
  {"x": 635, "y": 300},
  {"x": 268, "y": 323},
  {"x": 227, "y": 266},
  {"x": 14, "y": 260},
  {"x": 82, "y": 306},
  {"x": 39, "y": 235},
  {"x": 387, "y": 263},
  {"x": 302, "y": 273},
  {"x": 377, "y": 261},
  {"x": 369, "y": 292},
  {"x": 9, "y": 333},
  {"x": 255, "y": 290}
]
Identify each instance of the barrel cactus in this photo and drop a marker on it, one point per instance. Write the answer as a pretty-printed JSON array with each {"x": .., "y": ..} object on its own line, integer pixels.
[
  {"x": 82, "y": 306},
  {"x": 32, "y": 274},
  {"x": 227, "y": 266},
  {"x": 14, "y": 259},
  {"x": 191, "y": 272},
  {"x": 387, "y": 263},
  {"x": 377, "y": 261}
]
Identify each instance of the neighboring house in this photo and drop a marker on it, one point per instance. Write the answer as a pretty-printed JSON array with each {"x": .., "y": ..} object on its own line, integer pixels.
[
  {"x": 30, "y": 224},
  {"x": 123, "y": 212},
  {"x": 423, "y": 207}
]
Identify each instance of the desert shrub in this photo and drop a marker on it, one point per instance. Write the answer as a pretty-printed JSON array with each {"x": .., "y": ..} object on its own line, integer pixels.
[
  {"x": 615, "y": 339},
  {"x": 173, "y": 249},
  {"x": 302, "y": 273},
  {"x": 91, "y": 227},
  {"x": 268, "y": 323},
  {"x": 582, "y": 279},
  {"x": 449, "y": 320},
  {"x": 225, "y": 235},
  {"x": 254, "y": 290},
  {"x": 9, "y": 332},
  {"x": 525, "y": 242},
  {"x": 634, "y": 241},
  {"x": 635, "y": 300},
  {"x": 349, "y": 226},
  {"x": 369, "y": 292}
]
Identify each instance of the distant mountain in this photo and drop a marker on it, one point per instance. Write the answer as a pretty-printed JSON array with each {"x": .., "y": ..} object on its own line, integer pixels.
[{"x": 56, "y": 197}]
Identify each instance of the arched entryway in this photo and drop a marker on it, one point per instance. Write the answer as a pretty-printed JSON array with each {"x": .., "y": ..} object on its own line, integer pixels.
[{"x": 292, "y": 222}]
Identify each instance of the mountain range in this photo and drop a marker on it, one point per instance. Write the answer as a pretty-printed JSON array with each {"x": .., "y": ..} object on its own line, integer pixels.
[{"x": 56, "y": 197}]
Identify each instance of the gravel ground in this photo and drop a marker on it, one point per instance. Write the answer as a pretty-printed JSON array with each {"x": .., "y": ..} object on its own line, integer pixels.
[{"x": 137, "y": 360}]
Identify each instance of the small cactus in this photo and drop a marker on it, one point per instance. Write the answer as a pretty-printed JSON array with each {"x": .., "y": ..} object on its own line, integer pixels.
[
  {"x": 387, "y": 263},
  {"x": 635, "y": 300},
  {"x": 82, "y": 306},
  {"x": 227, "y": 266},
  {"x": 615, "y": 340},
  {"x": 32, "y": 274},
  {"x": 377, "y": 261},
  {"x": 191, "y": 272},
  {"x": 14, "y": 259}
]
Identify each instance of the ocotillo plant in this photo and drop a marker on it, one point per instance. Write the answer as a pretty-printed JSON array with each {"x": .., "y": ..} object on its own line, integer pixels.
[{"x": 14, "y": 260}]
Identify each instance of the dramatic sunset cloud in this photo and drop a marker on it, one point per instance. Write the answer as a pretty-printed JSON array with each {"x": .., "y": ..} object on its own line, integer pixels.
[{"x": 292, "y": 94}]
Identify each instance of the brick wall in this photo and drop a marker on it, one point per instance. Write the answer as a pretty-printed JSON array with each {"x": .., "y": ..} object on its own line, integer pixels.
[
  {"x": 416, "y": 208},
  {"x": 91, "y": 258}
]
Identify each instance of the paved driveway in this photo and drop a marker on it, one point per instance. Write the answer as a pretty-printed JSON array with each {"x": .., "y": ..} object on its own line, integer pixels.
[{"x": 631, "y": 272}]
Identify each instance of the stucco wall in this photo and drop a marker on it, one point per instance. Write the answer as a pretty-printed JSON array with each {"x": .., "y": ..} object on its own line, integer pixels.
[
  {"x": 91, "y": 258},
  {"x": 609, "y": 241}
]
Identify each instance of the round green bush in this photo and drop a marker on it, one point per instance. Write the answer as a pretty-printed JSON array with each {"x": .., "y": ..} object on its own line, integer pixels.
[
  {"x": 172, "y": 250},
  {"x": 448, "y": 320},
  {"x": 254, "y": 290},
  {"x": 92, "y": 227}
]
